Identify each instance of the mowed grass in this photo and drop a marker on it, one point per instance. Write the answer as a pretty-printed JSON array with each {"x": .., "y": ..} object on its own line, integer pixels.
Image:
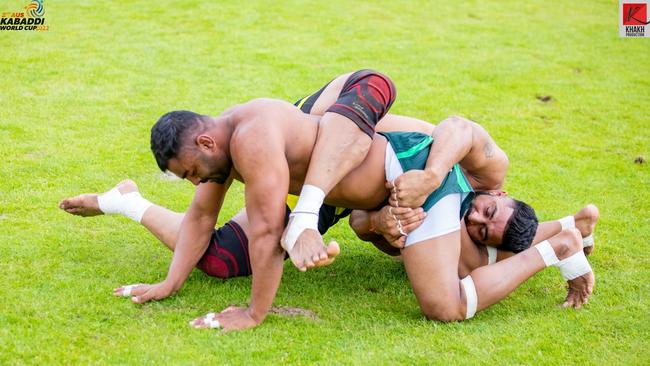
[{"x": 77, "y": 103}]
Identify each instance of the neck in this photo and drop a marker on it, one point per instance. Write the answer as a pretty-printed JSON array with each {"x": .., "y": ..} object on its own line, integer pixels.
[{"x": 220, "y": 128}]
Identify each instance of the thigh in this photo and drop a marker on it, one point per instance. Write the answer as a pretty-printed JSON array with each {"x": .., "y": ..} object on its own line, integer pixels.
[
  {"x": 329, "y": 95},
  {"x": 432, "y": 268}
]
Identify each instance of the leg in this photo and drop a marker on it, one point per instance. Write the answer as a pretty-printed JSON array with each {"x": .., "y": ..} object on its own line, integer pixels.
[
  {"x": 431, "y": 266},
  {"x": 344, "y": 137},
  {"x": 585, "y": 221}
]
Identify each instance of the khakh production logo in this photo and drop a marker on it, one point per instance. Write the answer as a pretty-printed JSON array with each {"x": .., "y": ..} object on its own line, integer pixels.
[
  {"x": 634, "y": 18},
  {"x": 31, "y": 18}
]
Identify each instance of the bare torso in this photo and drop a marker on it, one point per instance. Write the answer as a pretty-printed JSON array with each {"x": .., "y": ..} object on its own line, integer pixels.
[{"x": 363, "y": 188}]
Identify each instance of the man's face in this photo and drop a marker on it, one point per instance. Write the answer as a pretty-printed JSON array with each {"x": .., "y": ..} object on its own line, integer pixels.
[
  {"x": 487, "y": 217},
  {"x": 200, "y": 166}
]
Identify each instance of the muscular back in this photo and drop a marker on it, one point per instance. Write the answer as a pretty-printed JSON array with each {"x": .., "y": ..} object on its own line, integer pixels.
[{"x": 260, "y": 120}]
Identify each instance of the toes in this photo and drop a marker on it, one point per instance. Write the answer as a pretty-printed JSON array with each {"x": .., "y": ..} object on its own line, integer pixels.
[{"x": 333, "y": 249}]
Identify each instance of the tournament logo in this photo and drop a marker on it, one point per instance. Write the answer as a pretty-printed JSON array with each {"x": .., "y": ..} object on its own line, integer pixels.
[
  {"x": 634, "y": 18},
  {"x": 32, "y": 18},
  {"x": 35, "y": 9}
]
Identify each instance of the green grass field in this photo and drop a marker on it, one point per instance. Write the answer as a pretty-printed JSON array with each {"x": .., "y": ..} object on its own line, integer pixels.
[{"x": 77, "y": 103}]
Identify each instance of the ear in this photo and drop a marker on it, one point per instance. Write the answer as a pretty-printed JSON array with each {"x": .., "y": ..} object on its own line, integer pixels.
[
  {"x": 205, "y": 142},
  {"x": 498, "y": 193}
]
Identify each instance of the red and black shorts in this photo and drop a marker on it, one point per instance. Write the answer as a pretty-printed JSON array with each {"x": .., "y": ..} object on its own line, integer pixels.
[
  {"x": 227, "y": 254},
  {"x": 365, "y": 98}
]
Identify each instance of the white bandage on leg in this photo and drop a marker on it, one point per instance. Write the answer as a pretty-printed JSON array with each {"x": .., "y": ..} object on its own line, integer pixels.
[
  {"x": 492, "y": 254},
  {"x": 131, "y": 205},
  {"x": 304, "y": 215},
  {"x": 126, "y": 290},
  {"x": 567, "y": 222},
  {"x": 574, "y": 266},
  {"x": 571, "y": 267},
  {"x": 588, "y": 241},
  {"x": 470, "y": 295},
  {"x": 548, "y": 254}
]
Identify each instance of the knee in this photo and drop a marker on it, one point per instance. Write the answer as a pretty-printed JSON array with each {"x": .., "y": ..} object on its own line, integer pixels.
[
  {"x": 358, "y": 223},
  {"x": 570, "y": 241},
  {"x": 443, "y": 311}
]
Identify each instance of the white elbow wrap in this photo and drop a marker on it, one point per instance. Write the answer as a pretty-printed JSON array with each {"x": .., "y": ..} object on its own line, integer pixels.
[
  {"x": 588, "y": 241},
  {"x": 492, "y": 254},
  {"x": 567, "y": 222},
  {"x": 304, "y": 215},
  {"x": 470, "y": 296}
]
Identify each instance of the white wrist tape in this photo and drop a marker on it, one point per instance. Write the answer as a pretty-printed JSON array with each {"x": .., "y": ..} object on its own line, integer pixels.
[
  {"x": 574, "y": 266},
  {"x": 548, "y": 254},
  {"x": 304, "y": 215},
  {"x": 492, "y": 254},
  {"x": 588, "y": 241},
  {"x": 567, "y": 222},
  {"x": 470, "y": 295},
  {"x": 131, "y": 205}
]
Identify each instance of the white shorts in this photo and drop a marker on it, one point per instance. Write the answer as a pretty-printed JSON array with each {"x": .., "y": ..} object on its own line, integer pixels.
[{"x": 442, "y": 218}]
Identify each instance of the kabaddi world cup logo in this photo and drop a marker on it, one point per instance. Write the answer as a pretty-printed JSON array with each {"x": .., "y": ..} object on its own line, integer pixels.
[
  {"x": 35, "y": 9},
  {"x": 634, "y": 18},
  {"x": 30, "y": 19}
]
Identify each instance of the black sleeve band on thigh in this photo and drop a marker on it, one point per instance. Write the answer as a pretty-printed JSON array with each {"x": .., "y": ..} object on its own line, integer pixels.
[
  {"x": 366, "y": 97},
  {"x": 227, "y": 254}
]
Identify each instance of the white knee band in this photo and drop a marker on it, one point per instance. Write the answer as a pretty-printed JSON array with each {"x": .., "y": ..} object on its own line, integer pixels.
[
  {"x": 470, "y": 295},
  {"x": 567, "y": 222},
  {"x": 574, "y": 266},
  {"x": 131, "y": 205},
  {"x": 304, "y": 215},
  {"x": 492, "y": 254},
  {"x": 588, "y": 241},
  {"x": 571, "y": 267}
]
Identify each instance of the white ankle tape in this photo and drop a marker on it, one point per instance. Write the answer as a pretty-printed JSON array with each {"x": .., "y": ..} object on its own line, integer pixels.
[
  {"x": 567, "y": 222},
  {"x": 548, "y": 254},
  {"x": 492, "y": 254},
  {"x": 304, "y": 215},
  {"x": 310, "y": 200},
  {"x": 574, "y": 266},
  {"x": 588, "y": 241},
  {"x": 470, "y": 295},
  {"x": 131, "y": 205}
]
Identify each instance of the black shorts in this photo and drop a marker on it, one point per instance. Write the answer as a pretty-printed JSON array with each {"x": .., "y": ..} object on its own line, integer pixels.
[
  {"x": 365, "y": 98},
  {"x": 227, "y": 254}
]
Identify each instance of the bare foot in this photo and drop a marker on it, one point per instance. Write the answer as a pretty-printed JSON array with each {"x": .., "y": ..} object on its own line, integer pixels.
[
  {"x": 309, "y": 251},
  {"x": 86, "y": 204},
  {"x": 580, "y": 288},
  {"x": 586, "y": 220}
]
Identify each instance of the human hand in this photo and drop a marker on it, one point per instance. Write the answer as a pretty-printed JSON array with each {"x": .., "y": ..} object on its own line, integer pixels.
[
  {"x": 232, "y": 318},
  {"x": 394, "y": 223},
  {"x": 412, "y": 188},
  {"x": 141, "y": 293}
]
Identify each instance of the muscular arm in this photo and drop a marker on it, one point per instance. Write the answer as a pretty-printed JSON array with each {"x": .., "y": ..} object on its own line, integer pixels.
[
  {"x": 258, "y": 155},
  {"x": 457, "y": 139},
  {"x": 195, "y": 232}
]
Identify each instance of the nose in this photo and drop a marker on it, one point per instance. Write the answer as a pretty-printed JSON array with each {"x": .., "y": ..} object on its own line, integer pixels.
[
  {"x": 194, "y": 180},
  {"x": 474, "y": 217}
]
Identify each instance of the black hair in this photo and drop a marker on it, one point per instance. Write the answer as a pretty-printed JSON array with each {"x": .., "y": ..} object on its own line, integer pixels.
[
  {"x": 520, "y": 228},
  {"x": 167, "y": 133}
]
